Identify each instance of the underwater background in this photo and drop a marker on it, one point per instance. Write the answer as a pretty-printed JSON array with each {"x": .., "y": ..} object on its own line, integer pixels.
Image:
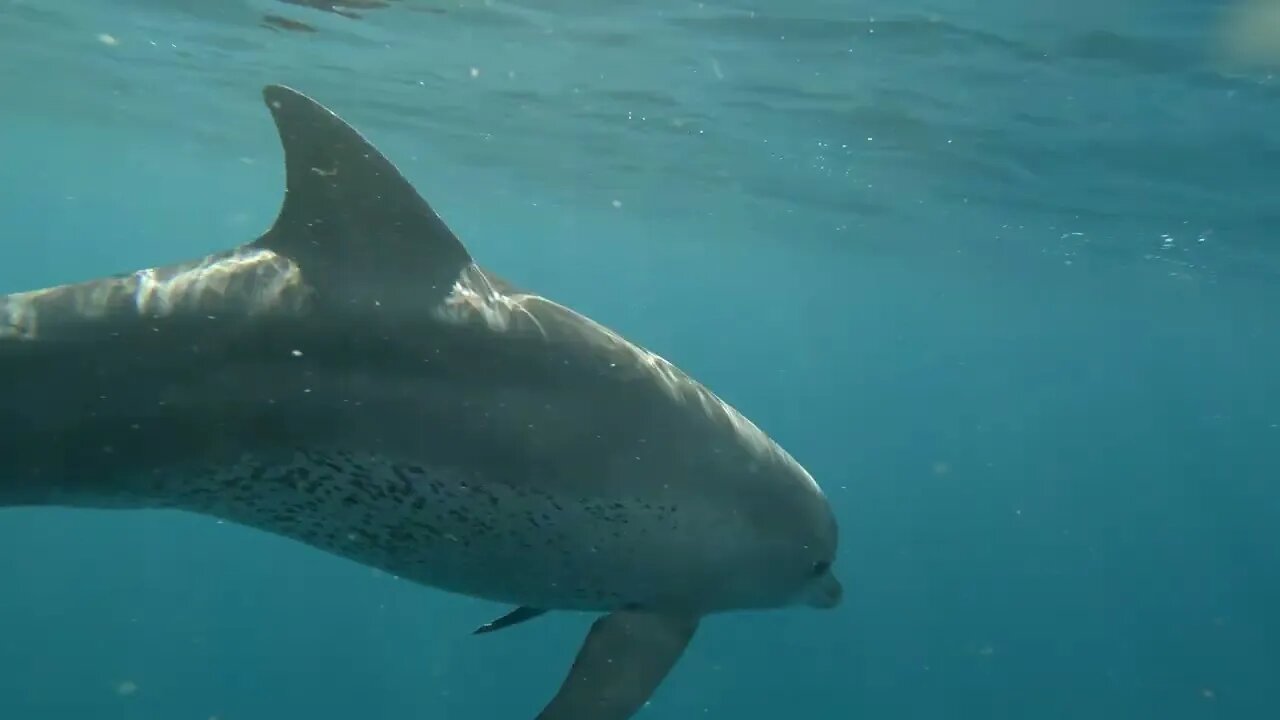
[{"x": 1003, "y": 275}]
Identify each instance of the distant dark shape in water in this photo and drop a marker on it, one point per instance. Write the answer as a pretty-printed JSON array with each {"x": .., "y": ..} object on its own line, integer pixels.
[
  {"x": 283, "y": 23},
  {"x": 353, "y": 380},
  {"x": 345, "y": 8}
]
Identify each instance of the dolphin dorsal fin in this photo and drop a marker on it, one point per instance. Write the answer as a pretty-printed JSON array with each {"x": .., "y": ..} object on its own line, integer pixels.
[{"x": 356, "y": 228}]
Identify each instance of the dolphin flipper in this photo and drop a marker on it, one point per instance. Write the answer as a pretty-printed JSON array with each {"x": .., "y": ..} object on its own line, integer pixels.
[
  {"x": 625, "y": 657},
  {"x": 515, "y": 617}
]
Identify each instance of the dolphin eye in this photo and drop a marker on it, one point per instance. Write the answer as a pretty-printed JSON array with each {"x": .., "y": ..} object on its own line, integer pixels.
[{"x": 821, "y": 567}]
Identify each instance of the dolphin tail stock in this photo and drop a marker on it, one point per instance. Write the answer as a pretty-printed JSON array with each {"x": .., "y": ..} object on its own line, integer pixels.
[
  {"x": 11, "y": 492},
  {"x": 625, "y": 657},
  {"x": 22, "y": 483}
]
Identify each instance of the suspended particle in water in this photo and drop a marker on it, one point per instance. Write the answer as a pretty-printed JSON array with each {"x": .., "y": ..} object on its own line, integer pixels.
[
  {"x": 126, "y": 688},
  {"x": 108, "y": 40}
]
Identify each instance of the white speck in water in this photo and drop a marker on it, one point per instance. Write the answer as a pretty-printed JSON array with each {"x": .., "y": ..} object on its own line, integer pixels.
[
  {"x": 296, "y": 353},
  {"x": 475, "y": 72},
  {"x": 108, "y": 40},
  {"x": 616, "y": 203}
]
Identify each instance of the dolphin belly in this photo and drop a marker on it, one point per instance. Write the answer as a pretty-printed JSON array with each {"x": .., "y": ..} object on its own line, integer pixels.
[
  {"x": 438, "y": 526},
  {"x": 445, "y": 526}
]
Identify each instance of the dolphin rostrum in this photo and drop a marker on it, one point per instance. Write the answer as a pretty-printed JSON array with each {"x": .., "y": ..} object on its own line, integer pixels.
[{"x": 354, "y": 381}]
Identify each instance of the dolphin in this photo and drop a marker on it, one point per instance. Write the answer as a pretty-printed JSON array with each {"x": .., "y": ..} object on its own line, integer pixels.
[{"x": 354, "y": 381}]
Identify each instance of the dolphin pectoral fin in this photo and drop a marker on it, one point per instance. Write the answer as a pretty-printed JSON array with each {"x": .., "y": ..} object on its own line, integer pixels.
[
  {"x": 624, "y": 659},
  {"x": 515, "y": 617}
]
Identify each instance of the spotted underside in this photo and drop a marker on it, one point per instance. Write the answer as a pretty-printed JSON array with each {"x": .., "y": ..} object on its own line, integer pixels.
[{"x": 438, "y": 526}]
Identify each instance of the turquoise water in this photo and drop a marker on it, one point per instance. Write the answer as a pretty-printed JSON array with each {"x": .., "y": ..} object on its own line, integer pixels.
[{"x": 1003, "y": 275}]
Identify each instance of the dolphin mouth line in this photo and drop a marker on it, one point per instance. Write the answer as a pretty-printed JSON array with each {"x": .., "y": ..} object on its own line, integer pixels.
[{"x": 825, "y": 593}]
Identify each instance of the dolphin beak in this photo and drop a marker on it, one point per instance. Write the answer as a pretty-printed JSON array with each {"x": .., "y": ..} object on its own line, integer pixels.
[{"x": 825, "y": 593}]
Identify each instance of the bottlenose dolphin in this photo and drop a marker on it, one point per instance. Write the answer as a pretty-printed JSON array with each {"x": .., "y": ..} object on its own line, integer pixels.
[{"x": 353, "y": 380}]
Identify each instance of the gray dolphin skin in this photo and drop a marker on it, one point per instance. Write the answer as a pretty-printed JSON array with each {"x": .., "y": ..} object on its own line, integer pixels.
[{"x": 352, "y": 380}]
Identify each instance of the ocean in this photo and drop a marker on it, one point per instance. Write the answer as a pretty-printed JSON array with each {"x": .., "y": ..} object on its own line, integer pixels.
[{"x": 1003, "y": 276}]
